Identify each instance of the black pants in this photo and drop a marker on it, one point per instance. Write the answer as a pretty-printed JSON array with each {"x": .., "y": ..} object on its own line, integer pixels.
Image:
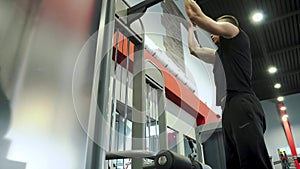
[{"x": 243, "y": 128}]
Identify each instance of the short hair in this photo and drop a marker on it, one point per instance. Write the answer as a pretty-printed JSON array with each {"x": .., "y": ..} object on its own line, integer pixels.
[{"x": 230, "y": 19}]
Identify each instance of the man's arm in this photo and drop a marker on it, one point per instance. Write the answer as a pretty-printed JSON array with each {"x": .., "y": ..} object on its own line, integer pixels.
[
  {"x": 194, "y": 12},
  {"x": 205, "y": 54}
]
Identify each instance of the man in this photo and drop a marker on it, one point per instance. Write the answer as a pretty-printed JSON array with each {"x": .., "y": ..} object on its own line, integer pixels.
[{"x": 243, "y": 117}]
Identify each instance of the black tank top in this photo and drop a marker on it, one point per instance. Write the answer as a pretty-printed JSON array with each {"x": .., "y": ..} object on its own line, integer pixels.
[{"x": 235, "y": 55}]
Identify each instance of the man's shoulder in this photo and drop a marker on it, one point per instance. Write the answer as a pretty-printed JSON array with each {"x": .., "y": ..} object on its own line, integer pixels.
[{"x": 244, "y": 33}]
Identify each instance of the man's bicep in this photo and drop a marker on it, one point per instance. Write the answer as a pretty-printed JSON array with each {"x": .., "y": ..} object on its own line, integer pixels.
[
  {"x": 227, "y": 30},
  {"x": 224, "y": 29}
]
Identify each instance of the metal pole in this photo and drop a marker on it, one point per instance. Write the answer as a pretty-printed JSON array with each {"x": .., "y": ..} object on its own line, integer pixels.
[
  {"x": 126, "y": 95},
  {"x": 149, "y": 117},
  {"x": 112, "y": 138},
  {"x": 162, "y": 122},
  {"x": 156, "y": 126},
  {"x": 151, "y": 114},
  {"x": 97, "y": 142},
  {"x": 120, "y": 98},
  {"x": 126, "y": 92},
  {"x": 114, "y": 100},
  {"x": 139, "y": 104}
]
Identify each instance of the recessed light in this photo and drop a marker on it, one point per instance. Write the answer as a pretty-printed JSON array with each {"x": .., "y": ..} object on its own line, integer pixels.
[
  {"x": 284, "y": 117},
  {"x": 283, "y": 108},
  {"x": 280, "y": 98},
  {"x": 272, "y": 70},
  {"x": 277, "y": 86},
  {"x": 257, "y": 17}
]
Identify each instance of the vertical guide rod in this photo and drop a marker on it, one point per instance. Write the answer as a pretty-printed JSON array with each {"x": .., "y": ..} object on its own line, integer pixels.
[
  {"x": 139, "y": 103},
  {"x": 147, "y": 105},
  {"x": 95, "y": 154},
  {"x": 162, "y": 121},
  {"x": 120, "y": 98},
  {"x": 112, "y": 126},
  {"x": 153, "y": 111},
  {"x": 156, "y": 125},
  {"x": 149, "y": 117},
  {"x": 114, "y": 100},
  {"x": 126, "y": 91}
]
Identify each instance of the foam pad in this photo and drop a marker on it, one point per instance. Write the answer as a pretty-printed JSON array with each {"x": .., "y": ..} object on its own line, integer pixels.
[
  {"x": 197, "y": 165},
  {"x": 166, "y": 159}
]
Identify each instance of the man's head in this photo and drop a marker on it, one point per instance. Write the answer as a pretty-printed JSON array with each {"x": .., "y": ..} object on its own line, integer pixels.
[
  {"x": 228, "y": 18},
  {"x": 225, "y": 18}
]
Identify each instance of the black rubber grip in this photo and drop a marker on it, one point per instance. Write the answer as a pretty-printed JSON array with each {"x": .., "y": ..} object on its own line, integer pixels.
[{"x": 166, "y": 159}]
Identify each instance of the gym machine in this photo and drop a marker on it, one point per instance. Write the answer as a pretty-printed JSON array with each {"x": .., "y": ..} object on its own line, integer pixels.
[{"x": 98, "y": 150}]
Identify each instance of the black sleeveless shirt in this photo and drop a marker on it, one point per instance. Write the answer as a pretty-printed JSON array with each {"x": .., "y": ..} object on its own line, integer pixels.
[{"x": 235, "y": 54}]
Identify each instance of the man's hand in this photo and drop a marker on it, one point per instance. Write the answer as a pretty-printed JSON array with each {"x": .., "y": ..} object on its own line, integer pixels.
[
  {"x": 193, "y": 26},
  {"x": 205, "y": 54}
]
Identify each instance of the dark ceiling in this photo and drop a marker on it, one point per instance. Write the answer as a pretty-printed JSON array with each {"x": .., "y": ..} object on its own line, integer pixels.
[{"x": 275, "y": 41}]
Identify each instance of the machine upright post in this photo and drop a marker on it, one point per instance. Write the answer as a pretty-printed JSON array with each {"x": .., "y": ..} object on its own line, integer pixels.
[
  {"x": 162, "y": 122},
  {"x": 139, "y": 104},
  {"x": 97, "y": 140}
]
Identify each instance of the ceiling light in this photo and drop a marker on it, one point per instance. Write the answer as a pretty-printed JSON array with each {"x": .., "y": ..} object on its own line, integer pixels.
[
  {"x": 280, "y": 98},
  {"x": 277, "y": 86},
  {"x": 272, "y": 70},
  {"x": 284, "y": 117},
  {"x": 257, "y": 17},
  {"x": 283, "y": 108}
]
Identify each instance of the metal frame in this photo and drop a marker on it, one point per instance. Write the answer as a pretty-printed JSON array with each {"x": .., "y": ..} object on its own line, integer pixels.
[
  {"x": 95, "y": 155},
  {"x": 99, "y": 114}
]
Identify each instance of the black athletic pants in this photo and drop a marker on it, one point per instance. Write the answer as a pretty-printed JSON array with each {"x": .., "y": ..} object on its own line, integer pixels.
[{"x": 243, "y": 128}]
